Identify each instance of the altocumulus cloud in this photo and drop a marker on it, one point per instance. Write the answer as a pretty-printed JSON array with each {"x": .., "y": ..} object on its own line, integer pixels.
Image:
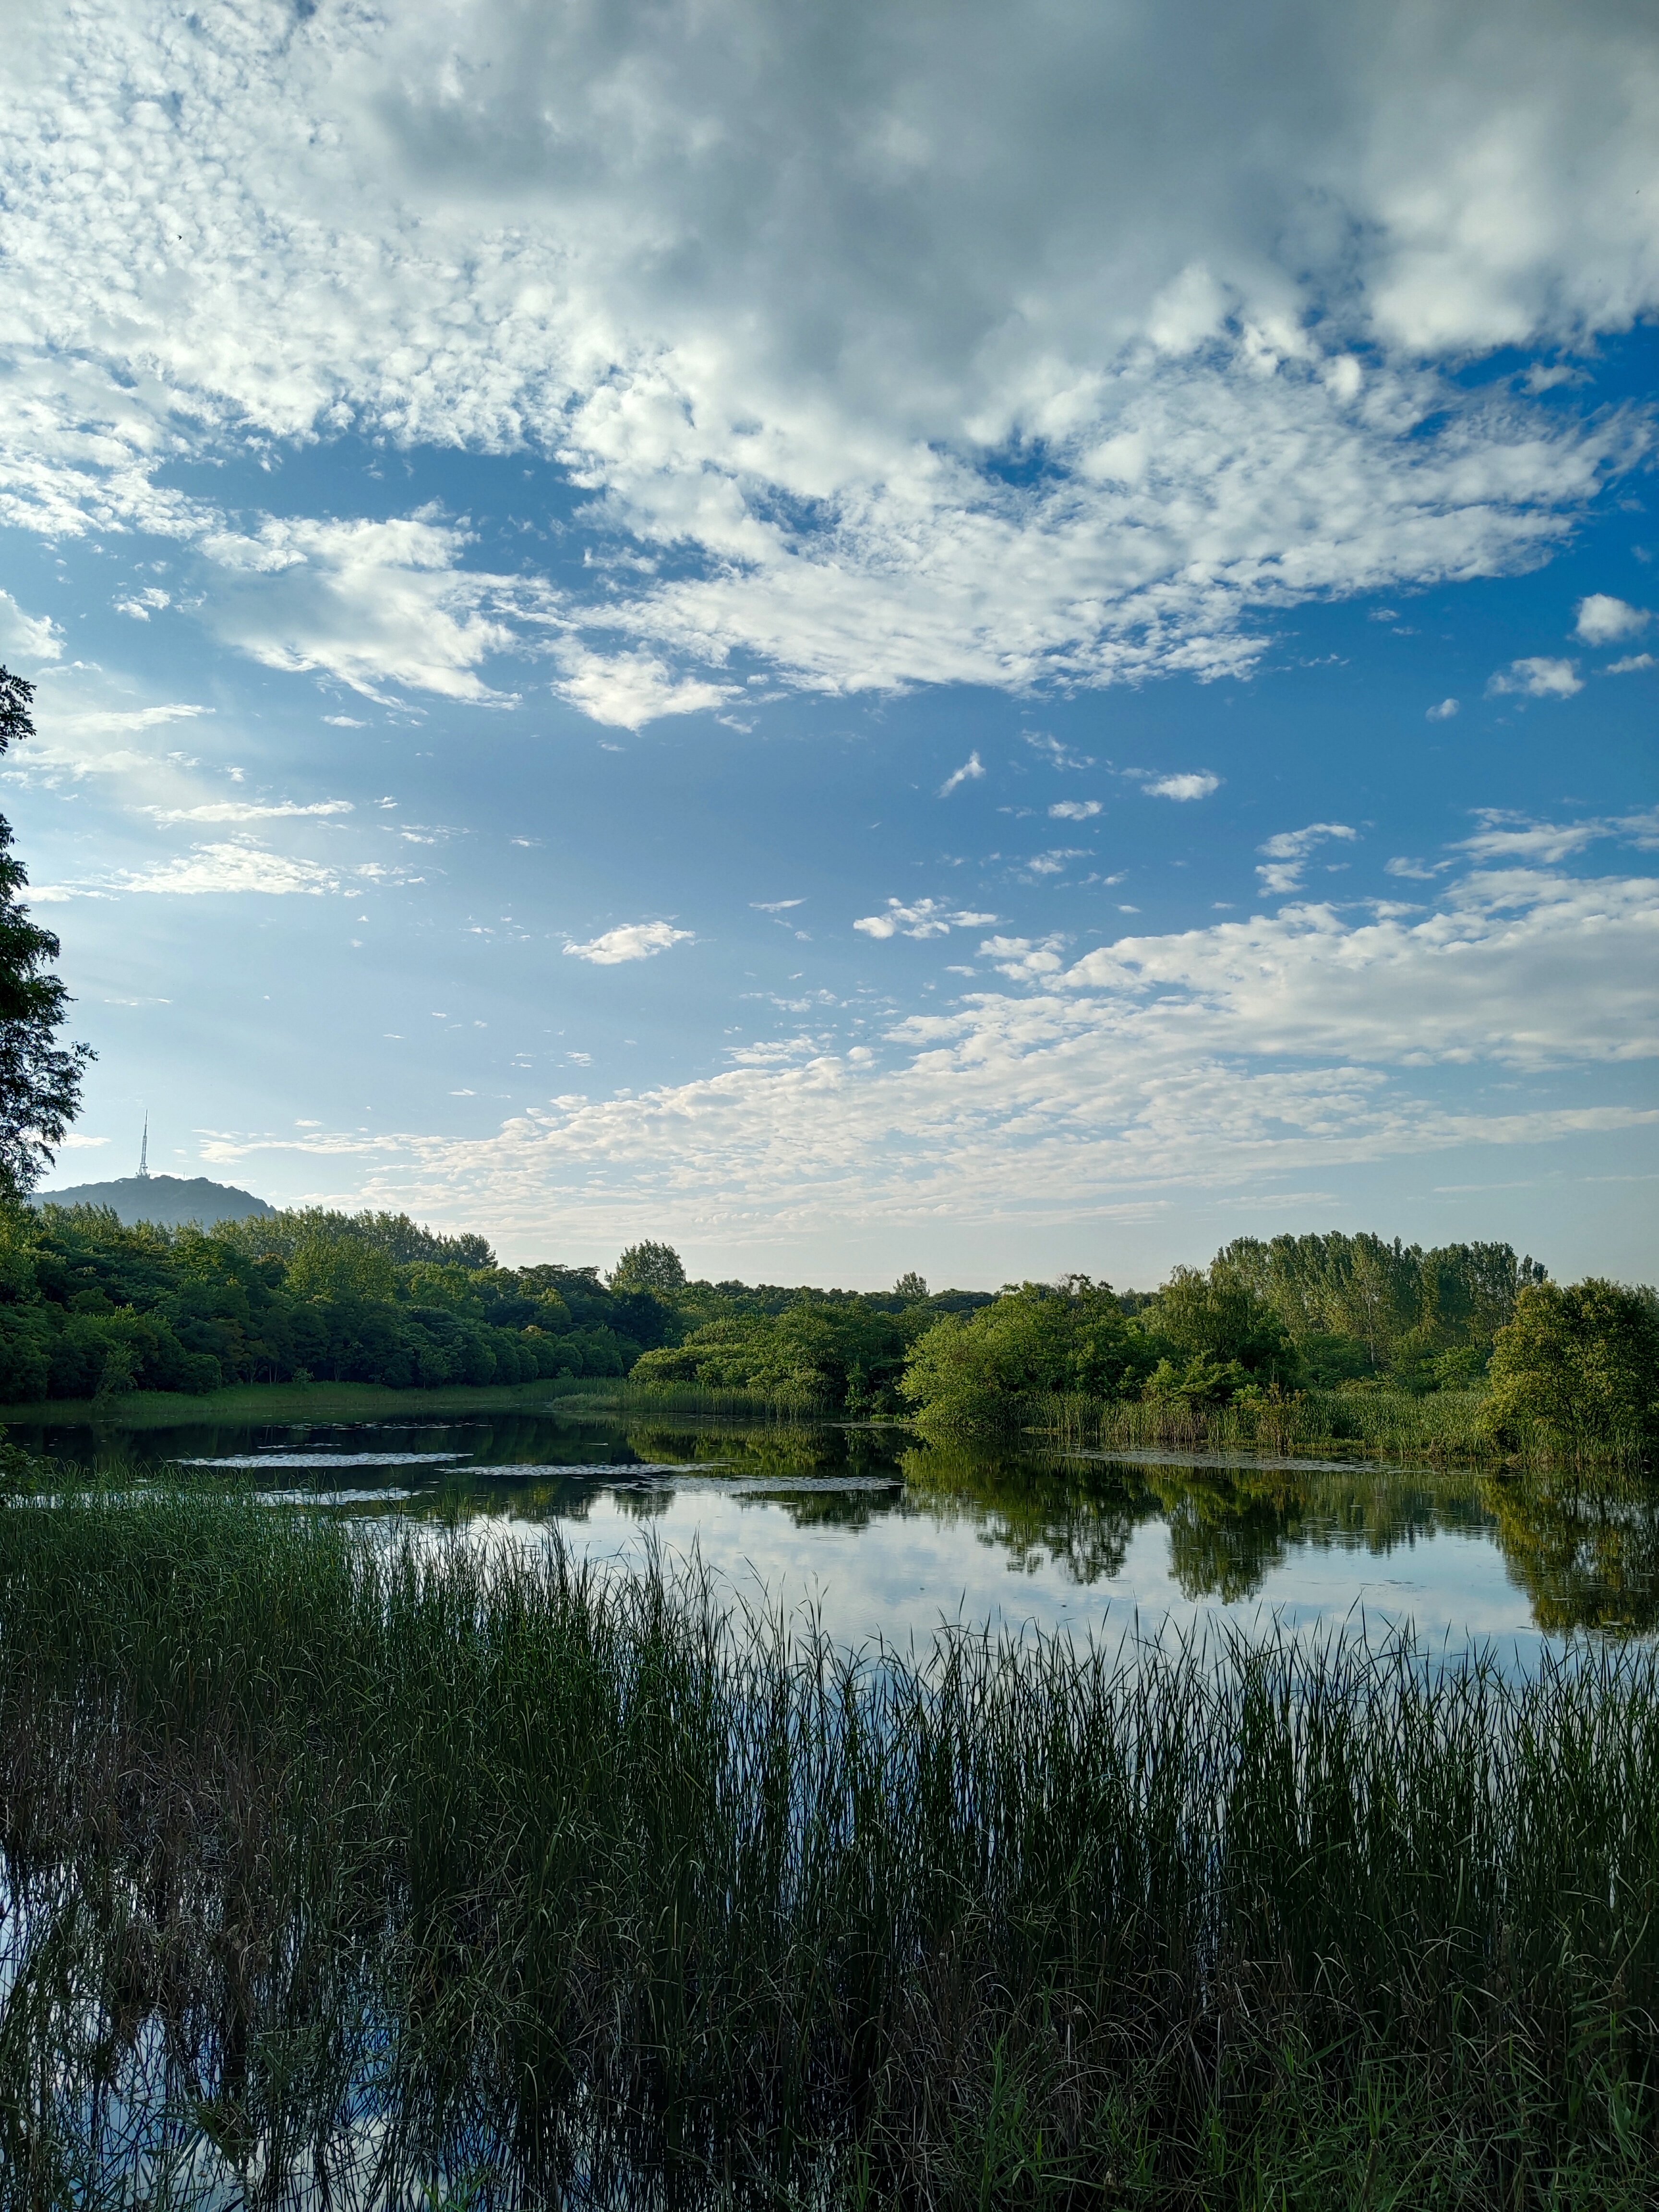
[
  {"x": 1196, "y": 1060},
  {"x": 926, "y": 918},
  {"x": 473, "y": 227}
]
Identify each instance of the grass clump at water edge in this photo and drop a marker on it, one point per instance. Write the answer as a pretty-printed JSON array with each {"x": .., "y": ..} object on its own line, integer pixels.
[{"x": 339, "y": 1869}]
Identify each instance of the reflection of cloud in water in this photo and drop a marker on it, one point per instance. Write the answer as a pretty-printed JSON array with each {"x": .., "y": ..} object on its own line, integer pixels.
[
  {"x": 266, "y": 1459},
  {"x": 888, "y": 1535}
]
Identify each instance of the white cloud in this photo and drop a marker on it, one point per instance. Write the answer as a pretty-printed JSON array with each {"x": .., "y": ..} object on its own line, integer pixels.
[
  {"x": 775, "y": 905},
  {"x": 1026, "y": 960},
  {"x": 633, "y": 940},
  {"x": 1633, "y": 664},
  {"x": 28, "y": 639},
  {"x": 926, "y": 918},
  {"x": 620, "y": 244},
  {"x": 141, "y": 605},
  {"x": 371, "y": 604},
  {"x": 1184, "y": 786},
  {"x": 1513, "y": 838},
  {"x": 1057, "y": 755},
  {"x": 235, "y": 868},
  {"x": 236, "y": 810},
  {"x": 1074, "y": 809},
  {"x": 1443, "y": 712},
  {"x": 1287, "y": 853},
  {"x": 971, "y": 767},
  {"x": 1536, "y": 678},
  {"x": 1202, "y": 1060},
  {"x": 1603, "y": 620},
  {"x": 628, "y": 689}
]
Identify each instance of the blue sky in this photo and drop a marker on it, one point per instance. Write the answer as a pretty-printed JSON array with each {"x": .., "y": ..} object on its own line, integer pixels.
[{"x": 862, "y": 646}]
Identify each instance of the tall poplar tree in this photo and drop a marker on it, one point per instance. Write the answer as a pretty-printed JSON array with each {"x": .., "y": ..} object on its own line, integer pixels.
[{"x": 40, "y": 1079}]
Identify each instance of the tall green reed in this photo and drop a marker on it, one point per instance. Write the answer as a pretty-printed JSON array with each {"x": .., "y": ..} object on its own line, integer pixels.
[{"x": 339, "y": 1868}]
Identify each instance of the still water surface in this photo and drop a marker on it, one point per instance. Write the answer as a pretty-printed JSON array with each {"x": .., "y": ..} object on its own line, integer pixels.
[{"x": 884, "y": 1535}]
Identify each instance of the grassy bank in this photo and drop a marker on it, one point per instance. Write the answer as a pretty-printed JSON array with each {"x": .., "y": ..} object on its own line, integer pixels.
[
  {"x": 1440, "y": 1428},
  {"x": 299, "y": 1402},
  {"x": 374, "y": 1402},
  {"x": 350, "y": 1874}
]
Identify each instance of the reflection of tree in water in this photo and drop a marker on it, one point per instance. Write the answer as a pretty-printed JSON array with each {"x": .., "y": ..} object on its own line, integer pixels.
[
  {"x": 1231, "y": 1527},
  {"x": 1075, "y": 1514},
  {"x": 1225, "y": 1533},
  {"x": 767, "y": 1450},
  {"x": 1586, "y": 1552},
  {"x": 829, "y": 1509},
  {"x": 1585, "y": 1549}
]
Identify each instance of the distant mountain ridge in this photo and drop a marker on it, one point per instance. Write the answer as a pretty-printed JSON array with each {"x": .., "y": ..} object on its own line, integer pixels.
[{"x": 170, "y": 1201}]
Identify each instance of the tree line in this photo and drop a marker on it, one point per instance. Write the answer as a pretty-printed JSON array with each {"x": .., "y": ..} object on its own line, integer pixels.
[{"x": 89, "y": 1308}]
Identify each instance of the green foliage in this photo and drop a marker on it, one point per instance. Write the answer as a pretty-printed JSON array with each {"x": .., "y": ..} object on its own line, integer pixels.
[
  {"x": 977, "y": 1372},
  {"x": 40, "y": 1079},
  {"x": 1360, "y": 1305},
  {"x": 1222, "y": 1320},
  {"x": 843, "y": 1358},
  {"x": 1582, "y": 1364},
  {"x": 90, "y": 1309},
  {"x": 279, "y": 1235},
  {"x": 648, "y": 1266}
]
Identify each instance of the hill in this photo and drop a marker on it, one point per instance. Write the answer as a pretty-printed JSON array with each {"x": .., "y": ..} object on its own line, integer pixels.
[{"x": 170, "y": 1199}]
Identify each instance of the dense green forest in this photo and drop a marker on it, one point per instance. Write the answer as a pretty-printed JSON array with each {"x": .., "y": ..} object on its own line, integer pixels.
[{"x": 90, "y": 1309}]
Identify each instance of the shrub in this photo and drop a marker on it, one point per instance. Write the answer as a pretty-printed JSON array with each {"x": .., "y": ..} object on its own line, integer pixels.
[{"x": 1581, "y": 1363}]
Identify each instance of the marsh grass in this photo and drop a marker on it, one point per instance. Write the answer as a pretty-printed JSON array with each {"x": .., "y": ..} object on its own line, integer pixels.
[
  {"x": 366, "y": 1869},
  {"x": 1441, "y": 1427}
]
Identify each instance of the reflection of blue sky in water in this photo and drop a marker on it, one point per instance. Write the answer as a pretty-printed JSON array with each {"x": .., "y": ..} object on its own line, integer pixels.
[
  {"x": 902, "y": 1574},
  {"x": 881, "y": 1536}
]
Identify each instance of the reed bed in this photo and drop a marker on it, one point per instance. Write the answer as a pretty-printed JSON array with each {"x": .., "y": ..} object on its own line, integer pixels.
[
  {"x": 1441, "y": 1426},
  {"x": 346, "y": 1868}
]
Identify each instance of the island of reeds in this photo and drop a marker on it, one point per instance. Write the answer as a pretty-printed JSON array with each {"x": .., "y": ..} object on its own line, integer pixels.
[{"x": 1294, "y": 1342}]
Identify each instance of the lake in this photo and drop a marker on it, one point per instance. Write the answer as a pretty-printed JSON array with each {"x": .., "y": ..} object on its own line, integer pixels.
[{"x": 881, "y": 1535}]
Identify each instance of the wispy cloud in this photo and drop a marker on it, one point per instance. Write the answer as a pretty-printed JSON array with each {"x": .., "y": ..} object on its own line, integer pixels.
[
  {"x": 971, "y": 769},
  {"x": 236, "y": 810},
  {"x": 1286, "y": 854},
  {"x": 27, "y": 639},
  {"x": 1074, "y": 809},
  {"x": 209, "y": 870},
  {"x": 1198, "y": 1062},
  {"x": 1444, "y": 712}
]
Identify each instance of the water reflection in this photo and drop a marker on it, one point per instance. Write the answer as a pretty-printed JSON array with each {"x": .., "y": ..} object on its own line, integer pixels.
[{"x": 905, "y": 1525}]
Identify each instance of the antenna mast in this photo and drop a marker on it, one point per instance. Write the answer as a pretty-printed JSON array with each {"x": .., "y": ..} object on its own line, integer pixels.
[{"x": 144, "y": 1153}]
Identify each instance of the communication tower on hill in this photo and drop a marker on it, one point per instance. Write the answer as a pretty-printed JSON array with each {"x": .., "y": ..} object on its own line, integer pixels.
[{"x": 144, "y": 1153}]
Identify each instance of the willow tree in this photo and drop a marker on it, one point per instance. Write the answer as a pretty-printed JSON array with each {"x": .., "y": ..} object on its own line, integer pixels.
[{"x": 40, "y": 1079}]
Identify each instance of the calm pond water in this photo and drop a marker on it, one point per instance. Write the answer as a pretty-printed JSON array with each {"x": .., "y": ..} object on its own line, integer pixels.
[{"x": 885, "y": 1535}]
